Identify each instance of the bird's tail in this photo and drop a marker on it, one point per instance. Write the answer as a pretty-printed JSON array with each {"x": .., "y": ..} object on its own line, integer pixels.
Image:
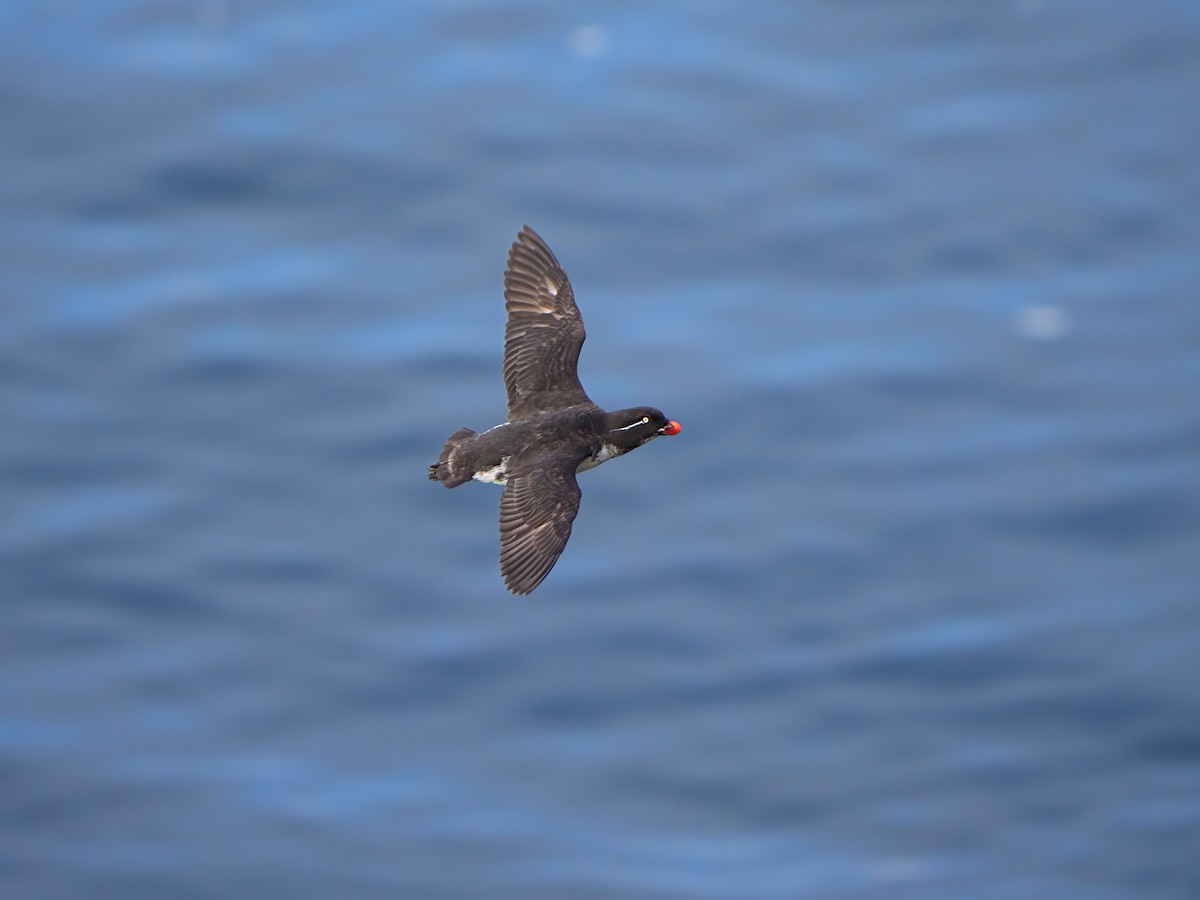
[{"x": 445, "y": 470}]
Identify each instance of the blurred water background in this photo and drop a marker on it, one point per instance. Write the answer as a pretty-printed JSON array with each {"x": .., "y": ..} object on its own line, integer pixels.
[{"x": 909, "y": 609}]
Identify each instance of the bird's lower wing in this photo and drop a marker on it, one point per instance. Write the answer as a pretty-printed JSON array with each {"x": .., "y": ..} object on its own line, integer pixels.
[{"x": 536, "y": 512}]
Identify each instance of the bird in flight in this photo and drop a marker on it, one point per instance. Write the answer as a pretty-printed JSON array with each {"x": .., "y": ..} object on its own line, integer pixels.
[{"x": 553, "y": 430}]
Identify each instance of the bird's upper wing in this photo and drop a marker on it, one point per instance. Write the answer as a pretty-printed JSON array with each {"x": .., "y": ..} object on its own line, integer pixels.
[
  {"x": 536, "y": 512},
  {"x": 544, "y": 331}
]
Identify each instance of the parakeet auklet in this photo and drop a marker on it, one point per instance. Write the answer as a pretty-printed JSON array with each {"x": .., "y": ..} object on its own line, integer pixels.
[{"x": 553, "y": 430}]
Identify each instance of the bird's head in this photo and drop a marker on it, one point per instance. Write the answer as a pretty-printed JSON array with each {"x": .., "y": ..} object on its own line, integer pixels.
[{"x": 633, "y": 427}]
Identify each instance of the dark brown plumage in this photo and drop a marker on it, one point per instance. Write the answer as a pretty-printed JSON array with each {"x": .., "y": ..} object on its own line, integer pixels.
[
  {"x": 553, "y": 431},
  {"x": 544, "y": 332}
]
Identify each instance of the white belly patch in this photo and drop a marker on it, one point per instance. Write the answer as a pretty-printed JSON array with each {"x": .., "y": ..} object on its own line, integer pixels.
[
  {"x": 604, "y": 454},
  {"x": 494, "y": 475}
]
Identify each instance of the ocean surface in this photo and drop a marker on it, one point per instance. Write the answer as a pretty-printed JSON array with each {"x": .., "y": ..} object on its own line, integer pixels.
[{"x": 909, "y": 609}]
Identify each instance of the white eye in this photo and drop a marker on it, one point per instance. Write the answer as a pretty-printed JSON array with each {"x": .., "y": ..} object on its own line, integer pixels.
[{"x": 645, "y": 420}]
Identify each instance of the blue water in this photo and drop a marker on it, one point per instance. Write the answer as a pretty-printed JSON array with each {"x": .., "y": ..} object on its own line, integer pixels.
[{"x": 908, "y": 610}]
